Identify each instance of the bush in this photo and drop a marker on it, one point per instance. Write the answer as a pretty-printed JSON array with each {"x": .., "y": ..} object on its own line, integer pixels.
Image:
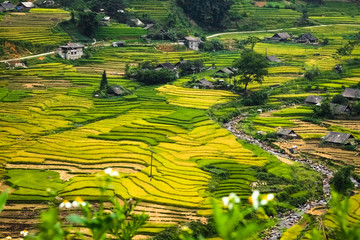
[
  {"x": 341, "y": 180},
  {"x": 255, "y": 98},
  {"x": 151, "y": 76},
  {"x": 312, "y": 73},
  {"x": 340, "y": 99}
]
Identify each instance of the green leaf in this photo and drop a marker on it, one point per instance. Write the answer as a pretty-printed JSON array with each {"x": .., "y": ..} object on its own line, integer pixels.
[
  {"x": 3, "y": 198},
  {"x": 75, "y": 219}
]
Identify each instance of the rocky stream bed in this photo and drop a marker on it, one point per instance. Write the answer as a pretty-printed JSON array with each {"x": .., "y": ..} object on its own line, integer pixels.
[{"x": 289, "y": 218}]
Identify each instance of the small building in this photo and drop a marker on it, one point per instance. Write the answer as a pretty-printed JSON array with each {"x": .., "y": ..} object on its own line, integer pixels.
[
  {"x": 166, "y": 65},
  {"x": 15, "y": 64},
  {"x": 148, "y": 26},
  {"x": 178, "y": 64},
  {"x": 6, "y": 6},
  {"x": 192, "y": 42},
  {"x": 280, "y": 37},
  {"x": 315, "y": 100},
  {"x": 307, "y": 38},
  {"x": 204, "y": 83},
  {"x": 137, "y": 22},
  {"x": 273, "y": 58},
  {"x": 117, "y": 90},
  {"x": 227, "y": 70},
  {"x": 71, "y": 51},
  {"x": 25, "y": 6},
  {"x": 339, "y": 110},
  {"x": 351, "y": 93},
  {"x": 286, "y": 133},
  {"x": 119, "y": 44},
  {"x": 337, "y": 138}
]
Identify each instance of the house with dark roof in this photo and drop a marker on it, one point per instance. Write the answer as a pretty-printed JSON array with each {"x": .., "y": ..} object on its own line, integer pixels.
[
  {"x": 178, "y": 64},
  {"x": 7, "y": 6},
  {"x": 286, "y": 133},
  {"x": 307, "y": 38},
  {"x": 337, "y": 138},
  {"x": 71, "y": 51},
  {"x": 24, "y": 6},
  {"x": 227, "y": 70},
  {"x": 351, "y": 93},
  {"x": 273, "y": 58},
  {"x": 166, "y": 65},
  {"x": 192, "y": 42},
  {"x": 204, "y": 83},
  {"x": 15, "y": 64},
  {"x": 280, "y": 37},
  {"x": 118, "y": 44},
  {"x": 339, "y": 110},
  {"x": 315, "y": 100}
]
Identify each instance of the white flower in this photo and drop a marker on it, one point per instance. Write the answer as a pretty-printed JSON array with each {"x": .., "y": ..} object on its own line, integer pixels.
[
  {"x": 24, "y": 233},
  {"x": 229, "y": 201},
  {"x": 111, "y": 172},
  {"x": 263, "y": 202},
  {"x": 78, "y": 202},
  {"x": 8, "y": 237},
  {"x": 254, "y": 199},
  {"x": 65, "y": 204},
  {"x": 270, "y": 197}
]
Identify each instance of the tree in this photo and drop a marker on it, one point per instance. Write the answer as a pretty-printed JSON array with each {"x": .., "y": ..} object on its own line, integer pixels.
[
  {"x": 87, "y": 23},
  {"x": 252, "y": 40},
  {"x": 347, "y": 49},
  {"x": 251, "y": 67},
  {"x": 208, "y": 13},
  {"x": 104, "y": 82},
  {"x": 340, "y": 99},
  {"x": 341, "y": 180}
]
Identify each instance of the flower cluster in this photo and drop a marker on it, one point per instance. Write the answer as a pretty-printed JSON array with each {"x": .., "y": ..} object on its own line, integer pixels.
[
  {"x": 111, "y": 172},
  {"x": 76, "y": 203},
  {"x": 23, "y": 233},
  {"x": 256, "y": 201},
  {"x": 230, "y": 200}
]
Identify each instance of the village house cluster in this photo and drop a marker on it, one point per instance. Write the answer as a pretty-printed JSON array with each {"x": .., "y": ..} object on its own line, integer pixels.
[{"x": 7, "y": 6}]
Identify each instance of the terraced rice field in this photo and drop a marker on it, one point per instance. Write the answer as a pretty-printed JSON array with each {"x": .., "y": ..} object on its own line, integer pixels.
[
  {"x": 35, "y": 27},
  {"x": 157, "y": 9},
  {"x": 60, "y": 134}
]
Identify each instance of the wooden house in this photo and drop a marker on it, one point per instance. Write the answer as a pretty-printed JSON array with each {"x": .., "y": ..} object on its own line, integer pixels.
[
  {"x": 119, "y": 44},
  {"x": 6, "y": 6},
  {"x": 273, "y": 58},
  {"x": 71, "y": 51},
  {"x": 204, "y": 83},
  {"x": 315, "y": 100},
  {"x": 337, "y": 138},
  {"x": 166, "y": 65},
  {"x": 339, "y": 110},
  {"x": 286, "y": 133},
  {"x": 227, "y": 70},
  {"x": 307, "y": 38},
  {"x": 24, "y": 6},
  {"x": 280, "y": 37},
  {"x": 351, "y": 93}
]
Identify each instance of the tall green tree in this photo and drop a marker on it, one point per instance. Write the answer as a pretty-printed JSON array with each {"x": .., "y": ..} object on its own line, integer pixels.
[
  {"x": 251, "y": 66},
  {"x": 87, "y": 23},
  {"x": 348, "y": 48},
  {"x": 104, "y": 82}
]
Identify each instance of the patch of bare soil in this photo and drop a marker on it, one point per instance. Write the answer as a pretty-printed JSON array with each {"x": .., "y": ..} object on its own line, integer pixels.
[
  {"x": 260, "y": 4},
  {"x": 285, "y": 160},
  {"x": 316, "y": 211}
]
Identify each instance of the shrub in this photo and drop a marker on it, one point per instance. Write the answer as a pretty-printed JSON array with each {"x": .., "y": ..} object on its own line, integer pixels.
[{"x": 255, "y": 98}]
